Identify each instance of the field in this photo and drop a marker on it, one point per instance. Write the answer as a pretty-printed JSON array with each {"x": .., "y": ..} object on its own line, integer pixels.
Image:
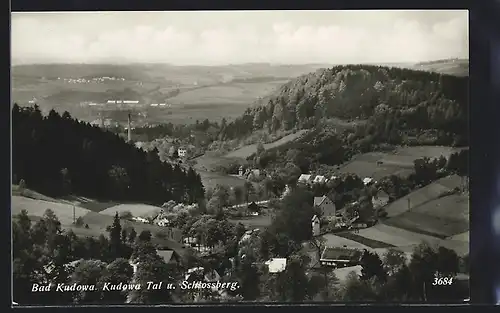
[
  {"x": 398, "y": 162},
  {"x": 229, "y": 93},
  {"x": 211, "y": 179},
  {"x": 204, "y": 91},
  {"x": 407, "y": 240},
  {"x": 64, "y": 211},
  {"x": 261, "y": 221},
  {"x": 443, "y": 217},
  {"x": 97, "y": 222},
  {"x": 423, "y": 195},
  {"x": 248, "y": 150},
  {"x": 135, "y": 209}
]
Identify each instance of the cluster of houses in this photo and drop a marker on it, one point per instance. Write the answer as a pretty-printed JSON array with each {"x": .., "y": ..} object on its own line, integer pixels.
[
  {"x": 249, "y": 173},
  {"x": 320, "y": 179},
  {"x": 330, "y": 213}
]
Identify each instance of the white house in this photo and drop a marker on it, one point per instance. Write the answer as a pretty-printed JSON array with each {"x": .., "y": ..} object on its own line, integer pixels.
[
  {"x": 319, "y": 179},
  {"x": 182, "y": 152},
  {"x": 276, "y": 265},
  {"x": 140, "y": 219},
  {"x": 305, "y": 178},
  {"x": 368, "y": 180},
  {"x": 315, "y": 223},
  {"x": 163, "y": 221}
]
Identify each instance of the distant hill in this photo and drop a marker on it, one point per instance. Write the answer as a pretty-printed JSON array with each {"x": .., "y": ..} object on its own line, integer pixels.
[{"x": 457, "y": 67}]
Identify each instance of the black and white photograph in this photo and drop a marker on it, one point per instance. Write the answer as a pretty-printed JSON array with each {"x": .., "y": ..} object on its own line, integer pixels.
[{"x": 266, "y": 157}]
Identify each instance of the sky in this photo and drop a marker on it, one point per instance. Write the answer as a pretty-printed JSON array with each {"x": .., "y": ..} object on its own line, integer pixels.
[{"x": 233, "y": 37}]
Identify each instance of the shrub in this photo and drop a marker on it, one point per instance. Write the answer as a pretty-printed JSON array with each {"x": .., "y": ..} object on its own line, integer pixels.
[{"x": 79, "y": 221}]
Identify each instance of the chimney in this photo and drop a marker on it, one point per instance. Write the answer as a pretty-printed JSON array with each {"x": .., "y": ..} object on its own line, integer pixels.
[
  {"x": 129, "y": 128},
  {"x": 101, "y": 119}
]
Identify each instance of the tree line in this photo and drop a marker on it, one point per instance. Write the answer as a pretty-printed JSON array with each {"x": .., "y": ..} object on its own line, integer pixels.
[{"x": 59, "y": 155}]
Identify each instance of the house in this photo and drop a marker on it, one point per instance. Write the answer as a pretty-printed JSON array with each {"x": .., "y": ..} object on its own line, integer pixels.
[
  {"x": 182, "y": 152},
  {"x": 169, "y": 256},
  {"x": 340, "y": 257},
  {"x": 315, "y": 223},
  {"x": 190, "y": 241},
  {"x": 276, "y": 265},
  {"x": 254, "y": 208},
  {"x": 380, "y": 199},
  {"x": 326, "y": 205},
  {"x": 241, "y": 170},
  {"x": 200, "y": 274},
  {"x": 368, "y": 181},
  {"x": 305, "y": 178},
  {"x": 319, "y": 179},
  {"x": 140, "y": 219},
  {"x": 252, "y": 174}
]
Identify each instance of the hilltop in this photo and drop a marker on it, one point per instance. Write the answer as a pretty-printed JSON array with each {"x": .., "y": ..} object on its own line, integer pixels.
[{"x": 397, "y": 105}]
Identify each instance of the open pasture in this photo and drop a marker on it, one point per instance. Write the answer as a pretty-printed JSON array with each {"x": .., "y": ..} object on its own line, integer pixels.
[
  {"x": 443, "y": 217},
  {"x": 135, "y": 209},
  {"x": 210, "y": 180},
  {"x": 63, "y": 211},
  {"x": 371, "y": 169},
  {"x": 261, "y": 221},
  {"x": 423, "y": 195},
  {"x": 406, "y": 240},
  {"x": 229, "y": 93},
  {"x": 248, "y": 150}
]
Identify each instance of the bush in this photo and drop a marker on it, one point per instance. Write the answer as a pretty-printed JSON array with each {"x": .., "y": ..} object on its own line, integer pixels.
[
  {"x": 79, "y": 221},
  {"x": 126, "y": 215}
]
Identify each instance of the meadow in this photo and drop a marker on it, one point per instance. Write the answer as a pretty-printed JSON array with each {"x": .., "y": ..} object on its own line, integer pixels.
[
  {"x": 398, "y": 162},
  {"x": 247, "y": 150}
]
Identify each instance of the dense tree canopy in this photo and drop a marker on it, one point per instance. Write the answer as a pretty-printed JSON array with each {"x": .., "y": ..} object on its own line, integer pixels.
[
  {"x": 399, "y": 105},
  {"x": 57, "y": 154}
]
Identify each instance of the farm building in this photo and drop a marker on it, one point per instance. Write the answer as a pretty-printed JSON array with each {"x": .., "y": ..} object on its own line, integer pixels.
[
  {"x": 276, "y": 265},
  {"x": 326, "y": 205},
  {"x": 340, "y": 257},
  {"x": 305, "y": 178}
]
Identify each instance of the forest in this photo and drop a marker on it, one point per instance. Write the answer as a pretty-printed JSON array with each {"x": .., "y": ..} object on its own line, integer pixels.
[
  {"x": 399, "y": 106},
  {"x": 58, "y": 155}
]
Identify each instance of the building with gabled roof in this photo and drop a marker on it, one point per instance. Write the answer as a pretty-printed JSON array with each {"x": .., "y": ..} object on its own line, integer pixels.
[
  {"x": 326, "y": 205},
  {"x": 305, "y": 178}
]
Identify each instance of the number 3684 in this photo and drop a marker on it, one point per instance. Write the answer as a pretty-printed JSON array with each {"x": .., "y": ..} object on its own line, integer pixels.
[{"x": 442, "y": 281}]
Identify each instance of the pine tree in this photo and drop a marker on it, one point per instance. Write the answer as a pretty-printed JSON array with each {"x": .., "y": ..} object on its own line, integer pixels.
[{"x": 115, "y": 239}]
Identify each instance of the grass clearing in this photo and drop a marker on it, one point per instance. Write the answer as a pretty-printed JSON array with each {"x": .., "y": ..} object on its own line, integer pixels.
[
  {"x": 338, "y": 241},
  {"x": 63, "y": 211},
  {"x": 443, "y": 217},
  {"x": 233, "y": 93},
  {"x": 261, "y": 221},
  {"x": 246, "y": 151},
  {"x": 375, "y": 244},
  {"x": 423, "y": 195},
  {"x": 135, "y": 209},
  {"x": 210, "y": 180}
]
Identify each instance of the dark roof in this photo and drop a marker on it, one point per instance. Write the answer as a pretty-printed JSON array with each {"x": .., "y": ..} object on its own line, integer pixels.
[
  {"x": 333, "y": 253},
  {"x": 167, "y": 255},
  {"x": 167, "y": 244}
]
